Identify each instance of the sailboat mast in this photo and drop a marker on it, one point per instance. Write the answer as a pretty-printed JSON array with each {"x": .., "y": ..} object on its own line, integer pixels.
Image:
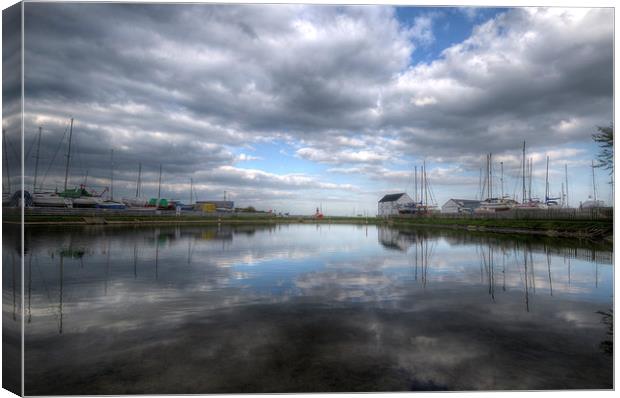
[
  {"x": 422, "y": 184},
  {"x": 547, "y": 181},
  {"x": 111, "y": 174},
  {"x": 159, "y": 186},
  {"x": 501, "y": 164},
  {"x": 36, "y": 162},
  {"x": 566, "y": 178},
  {"x": 139, "y": 180},
  {"x": 530, "y": 174},
  {"x": 490, "y": 175},
  {"x": 425, "y": 186},
  {"x": 415, "y": 184},
  {"x": 68, "y": 155},
  {"x": 480, "y": 183},
  {"x": 523, "y": 172}
]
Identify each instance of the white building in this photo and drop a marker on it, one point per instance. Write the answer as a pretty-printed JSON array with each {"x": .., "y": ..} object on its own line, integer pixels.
[
  {"x": 460, "y": 206},
  {"x": 392, "y": 203}
]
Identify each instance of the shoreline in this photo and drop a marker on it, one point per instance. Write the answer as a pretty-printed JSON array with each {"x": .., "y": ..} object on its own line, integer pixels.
[{"x": 585, "y": 229}]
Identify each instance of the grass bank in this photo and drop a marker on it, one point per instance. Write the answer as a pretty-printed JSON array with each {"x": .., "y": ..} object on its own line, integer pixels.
[
  {"x": 569, "y": 228},
  {"x": 555, "y": 227}
]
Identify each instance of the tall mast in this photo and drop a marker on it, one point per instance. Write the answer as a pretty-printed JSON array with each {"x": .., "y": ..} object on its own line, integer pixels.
[
  {"x": 547, "y": 182},
  {"x": 480, "y": 183},
  {"x": 566, "y": 178},
  {"x": 6, "y": 161},
  {"x": 422, "y": 183},
  {"x": 139, "y": 182},
  {"x": 486, "y": 178},
  {"x": 36, "y": 163},
  {"x": 111, "y": 174},
  {"x": 415, "y": 184},
  {"x": 530, "y": 173},
  {"x": 159, "y": 186},
  {"x": 490, "y": 175},
  {"x": 501, "y": 164},
  {"x": 523, "y": 171},
  {"x": 425, "y": 186},
  {"x": 593, "y": 183},
  {"x": 485, "y": 183},
  {"x": 68, "y": 154}
]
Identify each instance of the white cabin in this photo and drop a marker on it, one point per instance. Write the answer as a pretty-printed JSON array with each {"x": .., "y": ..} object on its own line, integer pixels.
[
  {"x": 391, "y": 204},
  {"x": 460, "y": 206}
]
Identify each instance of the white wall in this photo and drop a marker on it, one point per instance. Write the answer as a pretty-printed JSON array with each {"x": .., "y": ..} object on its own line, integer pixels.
[{"x": 391, "y": 208}]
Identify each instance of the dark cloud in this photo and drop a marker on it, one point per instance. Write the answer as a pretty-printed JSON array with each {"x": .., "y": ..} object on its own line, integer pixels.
[{"x": 189, "y": 85}]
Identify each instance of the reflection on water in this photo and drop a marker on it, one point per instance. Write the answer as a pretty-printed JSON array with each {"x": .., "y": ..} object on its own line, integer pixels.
[{"x": 304, "y": 308}]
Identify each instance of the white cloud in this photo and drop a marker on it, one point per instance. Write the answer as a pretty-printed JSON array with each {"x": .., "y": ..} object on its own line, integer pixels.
[{"x": 338, "y": 157}]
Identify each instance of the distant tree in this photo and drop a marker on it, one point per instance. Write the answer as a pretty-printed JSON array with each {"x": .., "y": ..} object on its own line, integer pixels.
[{"x": 605, "y": 139}]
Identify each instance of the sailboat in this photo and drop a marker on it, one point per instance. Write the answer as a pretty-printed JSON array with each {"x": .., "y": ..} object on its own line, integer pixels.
[
  {"x": 550, "y": 202},
  {"x": 80, "y": 197},
  {"x": 527, "y": 201},
  {"x": 592, "y": 201},
  {"x": 137, "y": 201},
  {"x": 420, "y": 204},
  {"x": 111, "y": 203},
  {"x": 69, "y": 197},
  {"x": 493, "y": 204}
]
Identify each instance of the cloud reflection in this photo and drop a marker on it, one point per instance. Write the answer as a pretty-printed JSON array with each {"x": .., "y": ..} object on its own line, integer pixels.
[{"x": 152, "y": 310}]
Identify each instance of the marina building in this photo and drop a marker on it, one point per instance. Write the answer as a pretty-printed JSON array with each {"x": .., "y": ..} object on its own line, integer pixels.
[
  {"x": 460, "y": 206},
  {"x": 392, "y": 204}
]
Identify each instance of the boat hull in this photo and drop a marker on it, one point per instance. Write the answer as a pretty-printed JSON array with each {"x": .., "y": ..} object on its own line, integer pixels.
[
  {"x": 88, "y": 202},
  {"x": 51, "y": 200}
]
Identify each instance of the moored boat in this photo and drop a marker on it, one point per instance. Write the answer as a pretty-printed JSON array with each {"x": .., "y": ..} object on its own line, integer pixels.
[
  {"x": 135, "y": 202},
  {"x": 110, "y": 204},
  {"x": 50, "y": 199},
  {"x": 494, "y": 205},
  {"x": 80, "y": 197}
]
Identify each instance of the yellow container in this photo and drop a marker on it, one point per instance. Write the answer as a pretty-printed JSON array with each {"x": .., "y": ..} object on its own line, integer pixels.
[{"x": 208, "y": 208}]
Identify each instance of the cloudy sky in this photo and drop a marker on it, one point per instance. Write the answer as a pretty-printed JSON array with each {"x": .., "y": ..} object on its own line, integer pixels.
[{"x": 291, "y": 107}]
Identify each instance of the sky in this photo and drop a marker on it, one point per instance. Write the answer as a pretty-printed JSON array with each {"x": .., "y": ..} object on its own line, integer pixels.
[{"x": 294, "y": 107}]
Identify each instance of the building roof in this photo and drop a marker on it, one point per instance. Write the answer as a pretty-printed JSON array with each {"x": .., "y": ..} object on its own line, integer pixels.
[
  {"x": 465, "y": 202},
  {"x": 393, "y": 197}
]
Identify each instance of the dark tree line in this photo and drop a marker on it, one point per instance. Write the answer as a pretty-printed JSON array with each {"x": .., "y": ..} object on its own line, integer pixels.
[{"x": 605, "y": 139}]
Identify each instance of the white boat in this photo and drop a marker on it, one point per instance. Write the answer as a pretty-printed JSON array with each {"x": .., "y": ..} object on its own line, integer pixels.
[
  {"x": 135, "y": 202},
  {"x": 50, "y": 199},
  {"x": 532, "y": 204},
  {"x": 493, "y": 205},
  {"x": 592, "y": 204}
]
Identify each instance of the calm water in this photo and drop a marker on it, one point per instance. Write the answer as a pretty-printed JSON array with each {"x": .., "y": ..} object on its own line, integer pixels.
[{"x": 298, "y": 308}]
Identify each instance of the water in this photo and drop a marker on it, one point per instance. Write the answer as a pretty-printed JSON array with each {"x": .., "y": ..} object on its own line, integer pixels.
[{"x": 305, "y": 308}]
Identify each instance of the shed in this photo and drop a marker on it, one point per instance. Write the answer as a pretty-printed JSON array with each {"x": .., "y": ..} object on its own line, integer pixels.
[
  {"x": 460, "y": 206},
  {"x": 391, "y": 204}
]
